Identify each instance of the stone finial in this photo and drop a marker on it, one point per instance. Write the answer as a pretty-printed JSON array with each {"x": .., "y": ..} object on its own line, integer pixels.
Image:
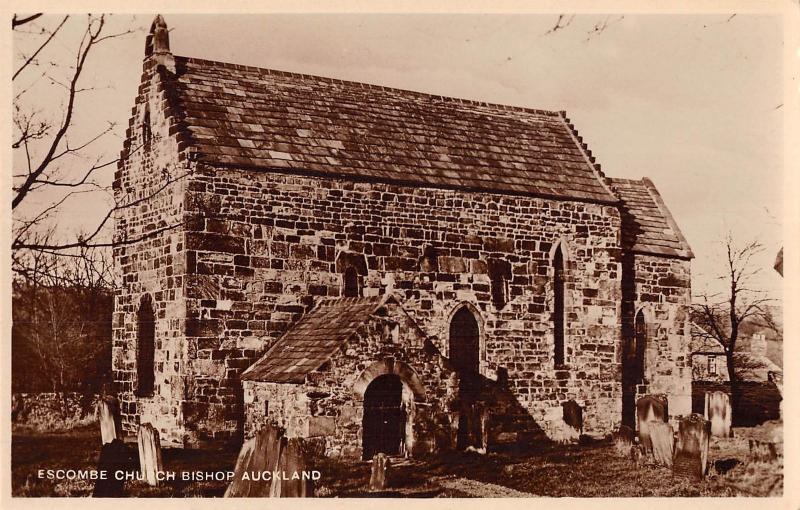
[
  {"x": 160, "y": 35},
  {"x": 157, "y": 44}
]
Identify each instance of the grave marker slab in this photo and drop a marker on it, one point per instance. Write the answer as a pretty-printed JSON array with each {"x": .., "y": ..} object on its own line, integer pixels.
[
  {"x": 110, "y": 419},
  {"x": 718, "y": 412},
  {"x": 150, "y": 462},
  {"x": 650, "y": 409},
  {"x": 691, "y": 447},
  {"x": 662, "y": 437},
  {"x": 378, "y": 478}
]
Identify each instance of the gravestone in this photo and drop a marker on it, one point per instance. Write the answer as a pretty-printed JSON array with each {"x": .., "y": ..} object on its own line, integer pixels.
[
  {"x": 718, "y": 412},
  {"x": 650, "y": 409},
  {"x": 294, "y": 461},
  {"x": 259, "y": 453},
  {"x": 114, "y": 456},
  {"x": 110, "y": 419},
  {"x": 662, "y": 438},
  {"x": 762, "y": 451},
  {"x": 691, "y": 447},
  {"x": 150, "y": 463},
  {"x": 573, "y": 415},
  {"x": 378, "y": 479},
  {"x": 276, "y": 483},
  {"x": 623, "y": 440}
]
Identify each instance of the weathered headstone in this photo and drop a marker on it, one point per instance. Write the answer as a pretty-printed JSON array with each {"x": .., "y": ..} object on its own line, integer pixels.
[
  {"x": 276, "y": 484},
  {"x": 378, "y": 479},
  {"x": 718, "y": 412},
  {"x": 649, "y": 409},
  {"x": 294, "y": 464},
  {"x": 259, "y": 453},
  {"x": 662, "y": 438},
  {"x": 110, "y": 420},
  {"x": 762, "y": 451},
  {"x": 114, "y": 456},
  {"x": 573, "y": 415},
  {"x": 691, "y": 447},
  {"x": 150, "y": 463},
  {"x": 623, "y": 440}
]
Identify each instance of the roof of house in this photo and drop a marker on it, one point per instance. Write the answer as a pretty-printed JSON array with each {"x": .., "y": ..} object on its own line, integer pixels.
[
  {"x": 313, "y": 340},
  {"x": 249, "y": 117},
  {"x": 648, "y": 226}
]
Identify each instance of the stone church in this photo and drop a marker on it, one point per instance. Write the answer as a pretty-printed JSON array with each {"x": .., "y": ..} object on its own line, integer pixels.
[{"x": 381, "y": 270}]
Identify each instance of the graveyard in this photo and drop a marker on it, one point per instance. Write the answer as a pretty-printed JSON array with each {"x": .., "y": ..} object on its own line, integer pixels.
[{"x": 750, "y": 463}]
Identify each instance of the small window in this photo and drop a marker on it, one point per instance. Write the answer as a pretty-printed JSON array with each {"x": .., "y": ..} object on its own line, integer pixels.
[
  {"x": 558, "y": 307},
  {"x": 712, "y": 365},
  {"x": 145, "y": 355},
  {"x": 391, "y": 333},
  {"x": 350, "y": 283},
  {"x": 429, "y": 263},
  {"x": 499, "y": 276},
  {"x": 147, "y": 133}
]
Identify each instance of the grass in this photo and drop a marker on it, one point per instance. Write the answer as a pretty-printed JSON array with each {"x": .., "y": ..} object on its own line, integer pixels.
[{"x": 589, "y": 470}]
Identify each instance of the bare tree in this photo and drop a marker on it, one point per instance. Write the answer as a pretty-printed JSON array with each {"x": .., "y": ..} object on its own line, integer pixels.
[
  {"x": 53, "y": 163},
  {"x": 62, "y": 323},
  {"x": 723, "y": 316}
]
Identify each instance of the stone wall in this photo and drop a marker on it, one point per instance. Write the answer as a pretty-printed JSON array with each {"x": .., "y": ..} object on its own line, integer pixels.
[
  {"x": 149, "y": 259},
  {"x": 50, "y": 412},
  {"x": 262, "y": 245},
  {"x": 663, "y": 293}
]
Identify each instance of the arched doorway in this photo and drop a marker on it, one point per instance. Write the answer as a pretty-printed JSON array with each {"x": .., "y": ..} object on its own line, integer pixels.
[
  {"x": 464, "y": 350},
  {"x": 384, "y": 424},
  {"x": 633, "y": 368}
]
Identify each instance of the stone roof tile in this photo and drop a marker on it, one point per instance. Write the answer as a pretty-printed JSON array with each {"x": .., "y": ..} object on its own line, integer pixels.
[
  {"x": 260, "y": 118},
  {"x": 312, "y": 340},
  {"x": 648, "y": 226}
]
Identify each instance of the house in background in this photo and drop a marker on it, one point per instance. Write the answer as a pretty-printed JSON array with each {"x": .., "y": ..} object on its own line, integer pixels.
[{"x": 757, "y": 373}]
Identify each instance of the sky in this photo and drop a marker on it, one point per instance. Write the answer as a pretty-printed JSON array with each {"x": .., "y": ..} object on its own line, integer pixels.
[{"x": 692, "y": 102}]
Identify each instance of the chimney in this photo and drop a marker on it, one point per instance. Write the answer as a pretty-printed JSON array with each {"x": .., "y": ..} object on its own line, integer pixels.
[
  {"x": 157, "y": 45},
  {"x": 758, "y": 344}
]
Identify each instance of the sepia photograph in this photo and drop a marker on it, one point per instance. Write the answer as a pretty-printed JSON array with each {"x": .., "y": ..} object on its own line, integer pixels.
[{"x": 398, "y": 255}]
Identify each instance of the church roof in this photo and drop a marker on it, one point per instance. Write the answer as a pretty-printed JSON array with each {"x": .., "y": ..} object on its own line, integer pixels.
[
  {"x": 313, "y": 340},
  {"x": 248, "y": 117},
  {"x": 647, "y": 225}
]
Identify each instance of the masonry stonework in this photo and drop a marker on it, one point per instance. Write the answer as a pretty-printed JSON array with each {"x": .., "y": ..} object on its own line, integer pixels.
[{"x": 245, "y": 211}]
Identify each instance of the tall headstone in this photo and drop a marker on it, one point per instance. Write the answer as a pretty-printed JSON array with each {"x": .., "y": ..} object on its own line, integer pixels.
[
  {"x": 150, "y": 463},
  {"x": 650, "y": 409},
  {"x": 276, "y": 484},
  {"x": 691, "y": 447},
  {"x": 662, "y": 438},
  {"x": 718, "y": 412},
  {"x": 294, "y": 461},
  {"x": 110, "y": 419},
  {"x": 259, "y": 453},
  {"x": 623, "y": 440},
  {"x": 114, "y": 456},
  {"x": 378, "y": 479}
]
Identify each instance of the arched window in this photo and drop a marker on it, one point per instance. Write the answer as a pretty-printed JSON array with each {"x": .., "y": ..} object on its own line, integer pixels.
[
  {"x": 145, "y": 353},
  {"x": 558, "y": 307},
  {"x": 640, "y": 346},
  {"x": 350, "y": 284},
  {"x": 464, "y": 345},
  {"x": 147, "y": 133}
]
